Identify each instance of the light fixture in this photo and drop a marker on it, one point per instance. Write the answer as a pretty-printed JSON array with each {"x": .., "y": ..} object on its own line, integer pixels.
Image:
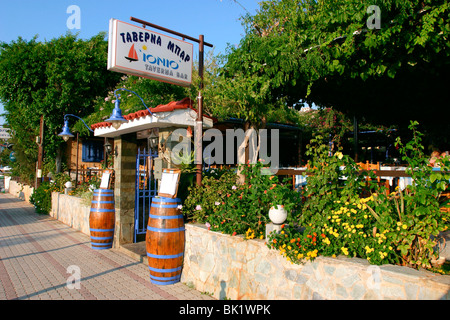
[
  {"x": 116, "y": 118},
  {"x": 153, "y": 141},
  {"x": 66, "y": 134},
  {"x": 108, "y": 147}
]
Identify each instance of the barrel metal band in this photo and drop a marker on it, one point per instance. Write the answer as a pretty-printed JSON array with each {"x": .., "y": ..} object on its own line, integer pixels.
[
  {"x": 177, "y": 277},
  {"x": 165, "y": 256},
  {"x": 165, "y": 200},
  {"x": 169, "y": 206},
  {"x": 102, "y": 210},
  {"x": 101, "y": 248},
  {"x": 164, "y": 270},
  {"x": 94, "y": 201},
  {"x": 163, "y": 283},
  {"x": 165, "y": 230},
  {"x": 178, "y": 216},
  {"x": 103, "y": 244},
  {"x": 101, "y": 238},
  {"x": 101, "y": 230}
]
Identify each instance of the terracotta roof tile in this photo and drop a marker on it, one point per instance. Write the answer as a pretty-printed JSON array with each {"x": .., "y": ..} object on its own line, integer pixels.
[{"x": 171, "y": 106}]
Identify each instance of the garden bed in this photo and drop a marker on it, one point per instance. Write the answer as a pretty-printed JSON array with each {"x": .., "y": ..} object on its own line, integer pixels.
[{"x": 231, "y": 267}]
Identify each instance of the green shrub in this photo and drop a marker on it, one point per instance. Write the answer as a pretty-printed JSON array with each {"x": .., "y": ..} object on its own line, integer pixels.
[
  {"x": 401, "y": 227},
  {"x": 200, "y": 202},
  {"x": 41, "y": 198},
  {"x": 233, "y": 208}
]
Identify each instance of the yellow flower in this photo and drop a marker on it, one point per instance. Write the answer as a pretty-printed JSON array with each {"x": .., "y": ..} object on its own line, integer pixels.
[
  {"x": 345, "y": 251},
  {"x": 312, "y": 254},
  {"x": 368, "y": 249},
  {"x": 405, "y": 226},
  {"x": 339, "y": 155}
]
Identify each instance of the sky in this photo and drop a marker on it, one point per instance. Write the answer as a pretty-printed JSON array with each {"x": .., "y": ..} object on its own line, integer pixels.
[{"x": 218, "y": 20}]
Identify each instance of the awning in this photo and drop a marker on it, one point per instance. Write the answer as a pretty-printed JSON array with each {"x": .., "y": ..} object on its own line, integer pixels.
[{"x": 174, "y": 114}]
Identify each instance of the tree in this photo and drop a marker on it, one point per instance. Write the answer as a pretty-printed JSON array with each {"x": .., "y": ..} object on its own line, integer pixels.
[
  {"x": 152, "y": 92},
  {"x": 332, "y": 54},
  {"x": 52, "y": 78}
]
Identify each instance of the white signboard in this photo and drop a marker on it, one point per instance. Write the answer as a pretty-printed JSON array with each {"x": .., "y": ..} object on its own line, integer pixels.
[
  {"x": 4, "y": 133},
  {"x": 137, "y": 51}
]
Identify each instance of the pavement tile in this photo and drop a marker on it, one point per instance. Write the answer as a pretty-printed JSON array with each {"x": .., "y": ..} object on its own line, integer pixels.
[{"x": 41, "y": 259}]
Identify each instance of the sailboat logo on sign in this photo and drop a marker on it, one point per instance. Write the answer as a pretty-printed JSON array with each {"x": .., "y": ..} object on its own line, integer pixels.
[{"x": 132, "y": 54}]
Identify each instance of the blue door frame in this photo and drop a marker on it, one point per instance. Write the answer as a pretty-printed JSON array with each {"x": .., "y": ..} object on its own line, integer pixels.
[{"x": 146, "y": 189}]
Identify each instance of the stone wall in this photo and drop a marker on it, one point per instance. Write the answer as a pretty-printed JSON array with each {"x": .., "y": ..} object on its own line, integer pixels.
[
  {"x": 71, "y": 211},
  {"x": 21, "y": 191},
  {"x": 234, "y": 268}
]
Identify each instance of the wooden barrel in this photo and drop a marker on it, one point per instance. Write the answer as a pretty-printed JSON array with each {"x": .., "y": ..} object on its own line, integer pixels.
[
  {"x": 165, "y": 241},
  {"x": 102, "y": 219}
]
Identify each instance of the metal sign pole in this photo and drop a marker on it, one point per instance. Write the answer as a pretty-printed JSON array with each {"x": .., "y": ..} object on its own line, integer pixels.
[{"x": 199, "y": 145}]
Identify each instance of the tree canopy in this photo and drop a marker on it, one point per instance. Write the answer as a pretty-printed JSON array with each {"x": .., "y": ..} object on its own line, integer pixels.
[
  {"x": 52, "y": 78},
  {"x": 332, "y": 54}
]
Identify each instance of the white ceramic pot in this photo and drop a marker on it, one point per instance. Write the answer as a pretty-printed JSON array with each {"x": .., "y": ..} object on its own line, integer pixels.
[{"x": 278, "y": 214}]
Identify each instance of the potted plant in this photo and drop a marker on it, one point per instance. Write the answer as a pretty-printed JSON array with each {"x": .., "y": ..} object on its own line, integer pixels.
[
  {"x": 277, "y": 214},
  {"x": 282, "y": 202}
]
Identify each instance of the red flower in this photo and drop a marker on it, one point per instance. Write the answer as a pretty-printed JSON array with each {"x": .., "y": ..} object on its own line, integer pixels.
[{"x": 234, "y": 233}]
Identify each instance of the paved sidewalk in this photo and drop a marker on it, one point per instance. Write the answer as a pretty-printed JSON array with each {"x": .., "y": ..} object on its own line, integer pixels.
[{"x": 40, "y": 259}]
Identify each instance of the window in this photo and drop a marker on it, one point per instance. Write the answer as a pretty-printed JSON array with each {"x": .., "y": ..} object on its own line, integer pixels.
[{"x": 92, "y": 151}]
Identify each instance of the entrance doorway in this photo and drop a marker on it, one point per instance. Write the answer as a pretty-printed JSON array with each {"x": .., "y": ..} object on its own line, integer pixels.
[{"x": 146, "y": 189}]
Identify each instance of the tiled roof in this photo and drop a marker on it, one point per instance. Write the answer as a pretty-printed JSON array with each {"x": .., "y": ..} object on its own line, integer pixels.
[{"x": 171, "y": 106}]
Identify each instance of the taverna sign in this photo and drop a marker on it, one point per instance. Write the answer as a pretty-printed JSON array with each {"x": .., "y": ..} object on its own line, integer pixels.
[{"x": 137, "y": 51}]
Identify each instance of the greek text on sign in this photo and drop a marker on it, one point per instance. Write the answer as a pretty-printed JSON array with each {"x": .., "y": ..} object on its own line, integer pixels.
[{"x": 137, "y": 51}]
